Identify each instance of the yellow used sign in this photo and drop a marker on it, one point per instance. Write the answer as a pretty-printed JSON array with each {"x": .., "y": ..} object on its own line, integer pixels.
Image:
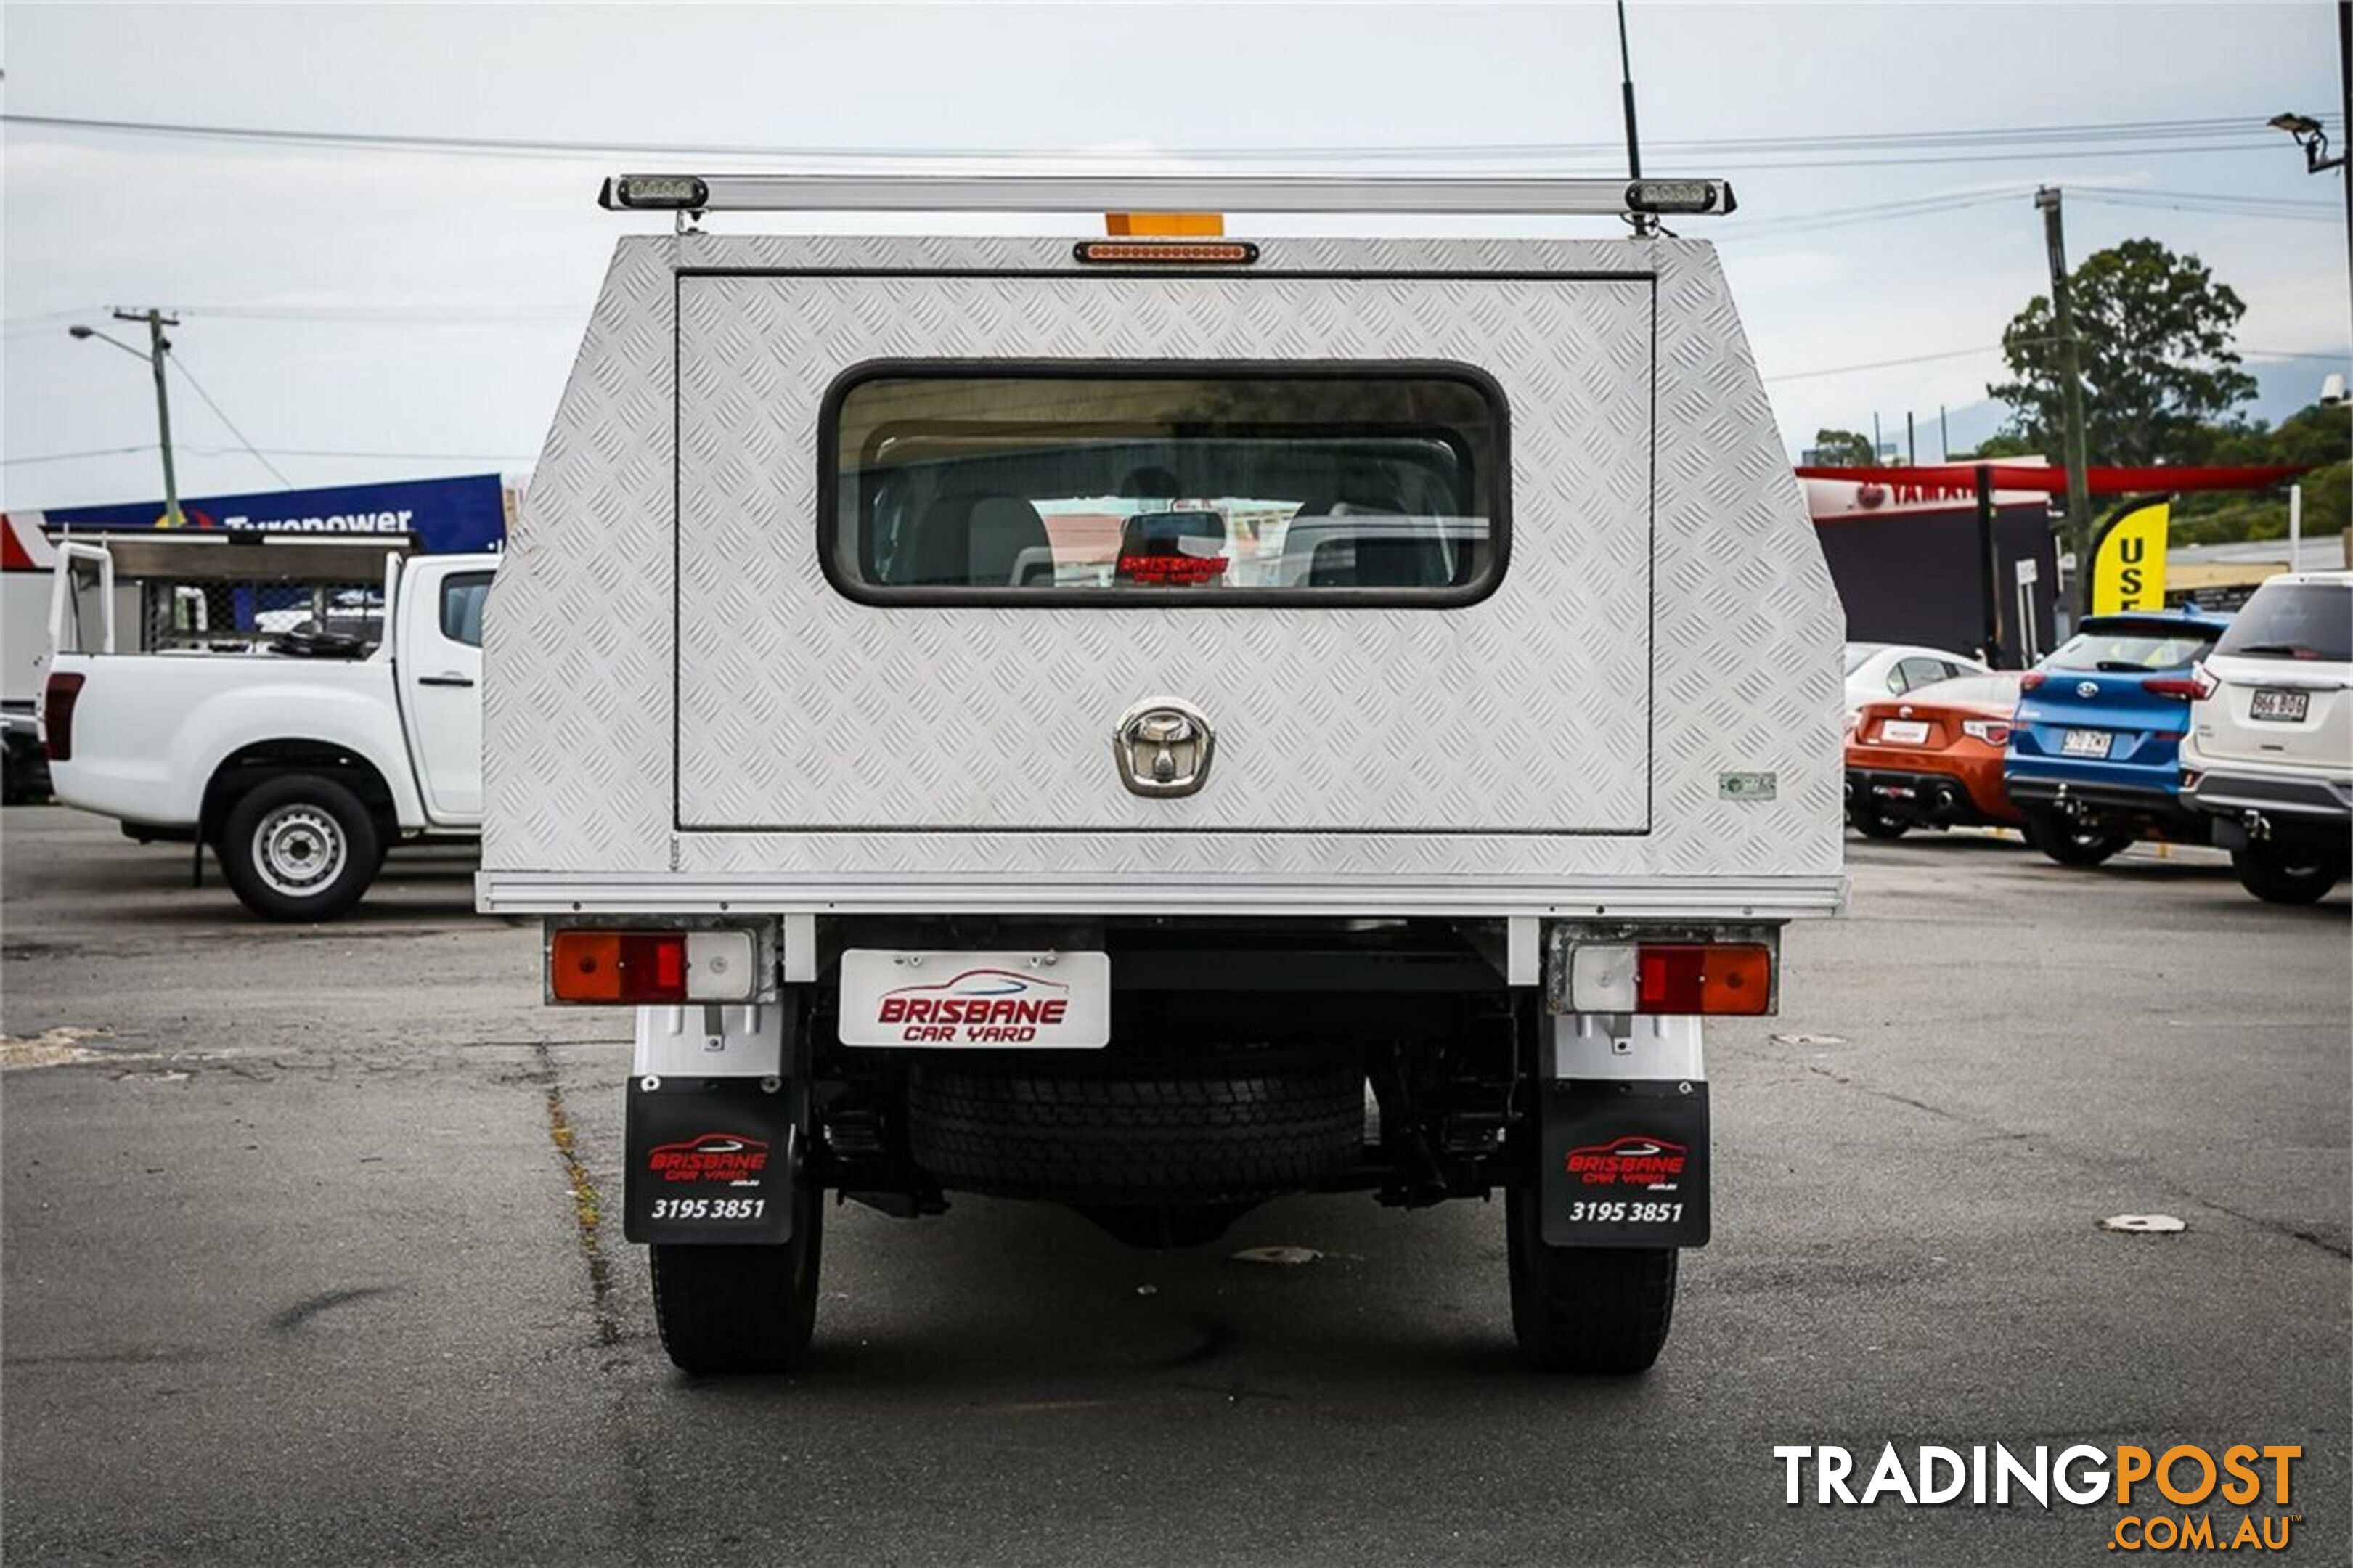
[{"x": 2128, "y": 561}]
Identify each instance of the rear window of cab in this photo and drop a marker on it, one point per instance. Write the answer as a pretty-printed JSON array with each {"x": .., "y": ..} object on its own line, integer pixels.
[
  {"x": 2133, "y": 649},
  {"x": 2294, "y": 620},
  {"x": 1158, "y": 483}
]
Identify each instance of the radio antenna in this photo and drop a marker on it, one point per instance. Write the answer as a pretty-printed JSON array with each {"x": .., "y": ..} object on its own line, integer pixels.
[{"x": 1644, "y": 223}]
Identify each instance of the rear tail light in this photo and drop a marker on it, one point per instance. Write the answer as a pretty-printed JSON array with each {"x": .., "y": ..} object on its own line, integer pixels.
[
  {"x": 2172, "y": 686},
  {"x": 1992, "y": 732},
  {"x": 2031, "y": 679},
  {"x": 648, "y": 968},
  {"x": 57, "y": 714},
  {"x": 2204, "y": 680},
  {"x": 1672, "y": 978}
]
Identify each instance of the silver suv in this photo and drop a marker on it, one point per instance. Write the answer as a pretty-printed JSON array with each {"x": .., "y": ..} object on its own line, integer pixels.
[{"x": 2269, "y": 751}]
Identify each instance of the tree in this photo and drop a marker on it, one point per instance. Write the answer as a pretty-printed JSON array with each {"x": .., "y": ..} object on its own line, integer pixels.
[
  {"x": 1842, "y": 449},
  {"x": 2159, "y": 374}
]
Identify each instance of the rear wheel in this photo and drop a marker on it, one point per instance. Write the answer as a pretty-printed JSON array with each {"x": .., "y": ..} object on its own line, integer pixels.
[
  {"x": 742, "y": 1308},
  {"x": 1586, "y": 1309},
  {"x": 2280, "y": 876},
  {"x": 301, "y": 846},
  {"x": 2072, "y": 842},
  {"x": 1874, "y": 823}
]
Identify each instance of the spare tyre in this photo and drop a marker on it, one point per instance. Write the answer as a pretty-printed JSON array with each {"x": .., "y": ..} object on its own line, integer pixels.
[{"x": 1162, "y": 1136}]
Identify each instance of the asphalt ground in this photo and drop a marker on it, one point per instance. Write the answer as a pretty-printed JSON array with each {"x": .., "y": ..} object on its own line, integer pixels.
[{"x": 295, "y": 1268}]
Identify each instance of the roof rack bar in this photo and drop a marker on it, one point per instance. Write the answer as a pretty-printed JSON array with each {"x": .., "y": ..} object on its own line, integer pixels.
[{"x": 1458, "y": 194}]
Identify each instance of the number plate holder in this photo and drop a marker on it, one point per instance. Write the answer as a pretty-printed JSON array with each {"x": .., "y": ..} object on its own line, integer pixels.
[
  {"x": 2275, "y": 706},
  {"x": 2084, "y": 743},
  {"x": 710, "y": 1161},
  {"x": 1624, "y": 1164}
]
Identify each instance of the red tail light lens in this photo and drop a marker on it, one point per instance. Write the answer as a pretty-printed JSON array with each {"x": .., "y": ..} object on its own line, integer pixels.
[
  {"x": 57, "y": 713},
  {"x": 635, "y": 967},
  {"x": 2031, "y": 679},
  {"x": 2172, "y": 686},
  {"x": 1733, "y": 978}
]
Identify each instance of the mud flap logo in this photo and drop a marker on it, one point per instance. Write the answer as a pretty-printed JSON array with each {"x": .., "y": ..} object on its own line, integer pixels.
[
  {"x": 726, "y": 1157},
  {"x": 1652, "y": 1164}
]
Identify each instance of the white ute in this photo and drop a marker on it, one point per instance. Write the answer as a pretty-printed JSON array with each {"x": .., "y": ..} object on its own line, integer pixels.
[
  {"x": 1157, "y": 725},
  {"x": 300, "y": 752}
]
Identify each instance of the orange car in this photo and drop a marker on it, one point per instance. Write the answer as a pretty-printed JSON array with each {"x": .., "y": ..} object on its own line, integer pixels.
[{"x": 1931, "y": 758}]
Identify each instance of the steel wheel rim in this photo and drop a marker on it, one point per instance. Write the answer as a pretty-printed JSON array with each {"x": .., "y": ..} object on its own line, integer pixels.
[{"x": 299, "y": 850}]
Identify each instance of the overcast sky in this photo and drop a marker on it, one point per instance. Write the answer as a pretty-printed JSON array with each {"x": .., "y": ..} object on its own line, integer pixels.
[{"x": 426, "y": 306}]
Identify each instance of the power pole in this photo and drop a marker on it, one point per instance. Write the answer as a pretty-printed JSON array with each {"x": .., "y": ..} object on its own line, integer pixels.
[
  {"x": 158, "y": 345},
  {"x": 2078, "y": 528}
]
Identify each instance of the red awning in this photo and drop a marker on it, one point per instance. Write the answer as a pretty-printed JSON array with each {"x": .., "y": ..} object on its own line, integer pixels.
[{"x": 2103, "y": 481}]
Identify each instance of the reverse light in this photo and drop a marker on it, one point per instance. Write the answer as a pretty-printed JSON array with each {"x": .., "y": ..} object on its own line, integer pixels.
[
  {"x": 1732, "y": 978},
  {"x": 646, "y": 968},
  {"x": 57, "y": 713},
  {"x": 1992, "y": 732}
]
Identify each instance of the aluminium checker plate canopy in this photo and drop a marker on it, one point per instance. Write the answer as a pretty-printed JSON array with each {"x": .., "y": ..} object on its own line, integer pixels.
[{"x": 683, "y": 711}]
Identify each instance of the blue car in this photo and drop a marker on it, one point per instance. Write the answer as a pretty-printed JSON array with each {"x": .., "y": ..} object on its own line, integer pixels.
[{"x": 2094, "y": 757}]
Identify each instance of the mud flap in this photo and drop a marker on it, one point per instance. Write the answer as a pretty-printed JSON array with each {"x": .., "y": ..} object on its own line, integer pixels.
[
  {"x": 711, "y": 1162},
  {"x": 1624, "y": 1164}
]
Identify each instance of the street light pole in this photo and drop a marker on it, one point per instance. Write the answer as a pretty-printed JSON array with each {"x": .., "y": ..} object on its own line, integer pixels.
[
  {"x": 2078, "y": 530},
  {"x": 158, "y": 345}
]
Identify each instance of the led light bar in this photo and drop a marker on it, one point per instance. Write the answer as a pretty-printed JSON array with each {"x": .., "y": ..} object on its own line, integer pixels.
[
  {"x": 1460, "y": 193},
  {"x": 1224, "y": 252}
]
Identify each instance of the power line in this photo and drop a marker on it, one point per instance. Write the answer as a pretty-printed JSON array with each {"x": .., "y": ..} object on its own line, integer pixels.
[
  {"x": 401, "y": 456},
  {"x": 69, "y": 457},
  {"x": 1841, "y": 217},
  {"x": 287, "y": 452},
  {"x": 189, "y": 376},
  {"x": 1883, "y": 364},
  {"x": 1964, "y": 144},
  {"x": 2282, "y": 210}
]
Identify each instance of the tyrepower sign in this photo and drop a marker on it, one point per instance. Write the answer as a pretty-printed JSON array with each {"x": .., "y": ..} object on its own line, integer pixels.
[
  {"x": 976, "y": 1001},
  {"x": 446, "y": 516}
]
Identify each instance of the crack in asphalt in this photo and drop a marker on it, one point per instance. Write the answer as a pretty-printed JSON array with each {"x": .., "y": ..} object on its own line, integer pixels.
[
  {"x": 587, "y": 1212},
  {"x": 2053, "y": 1146},
  {"x": 639, "y": 1520}
]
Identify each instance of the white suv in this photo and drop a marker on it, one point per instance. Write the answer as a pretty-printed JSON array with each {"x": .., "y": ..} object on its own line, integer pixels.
[{"x": 2269, "y": 751}]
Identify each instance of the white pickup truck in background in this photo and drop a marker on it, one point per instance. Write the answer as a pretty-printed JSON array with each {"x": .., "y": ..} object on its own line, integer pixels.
[{"x": 299, "y": 754}]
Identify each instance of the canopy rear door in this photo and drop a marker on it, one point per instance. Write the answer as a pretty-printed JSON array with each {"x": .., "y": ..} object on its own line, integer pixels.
[{"x": 1371, "y": 653}]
